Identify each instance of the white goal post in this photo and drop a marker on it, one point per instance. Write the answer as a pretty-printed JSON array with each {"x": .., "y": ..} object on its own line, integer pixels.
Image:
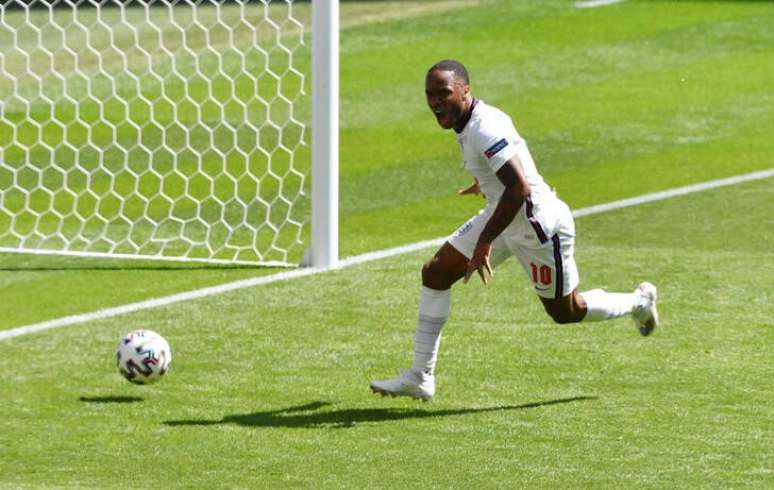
[
  {"x": 170, "y": 130},
  {"x": 325, "y": 133}
]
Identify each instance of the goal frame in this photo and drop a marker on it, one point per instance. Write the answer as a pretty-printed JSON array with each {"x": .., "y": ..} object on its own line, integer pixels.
[
  {"x": 325, "y": 133},
  {"x": 322, "y": 251}
]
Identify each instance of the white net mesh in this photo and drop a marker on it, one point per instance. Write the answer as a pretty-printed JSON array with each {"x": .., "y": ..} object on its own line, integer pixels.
[{"x": 154, "y": 129}]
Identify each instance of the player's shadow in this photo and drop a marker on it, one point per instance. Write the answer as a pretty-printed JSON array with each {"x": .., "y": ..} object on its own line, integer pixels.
[
  {"x": 110, "y": 399},
  {"x": 309, "y": 416}
]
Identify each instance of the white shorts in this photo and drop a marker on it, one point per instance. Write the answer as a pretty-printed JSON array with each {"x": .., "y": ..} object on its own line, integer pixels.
[{"x": 541, "y": 237}]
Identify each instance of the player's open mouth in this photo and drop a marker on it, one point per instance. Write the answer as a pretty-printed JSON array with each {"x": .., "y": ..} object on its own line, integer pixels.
[{"x": 440, "y": 115}]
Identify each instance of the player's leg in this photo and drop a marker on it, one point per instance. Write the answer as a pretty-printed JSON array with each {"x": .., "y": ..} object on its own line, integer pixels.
[
  {"x": 438, "y": 275},
  {"x": 567, "y": 309},
  {"x": 594, "y": 305},
  {"x": 640, "y": 304},
  {"x": 551, "y": 267},
  {"x": 552, "y": 270},
  {"x": 556, "y": 279},
  {"x": 447, "y": 266}
]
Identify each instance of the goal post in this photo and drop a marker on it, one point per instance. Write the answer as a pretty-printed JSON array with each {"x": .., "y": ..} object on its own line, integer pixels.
[
  {"x": 325, "y": 133},
  {"x": 170, "y": 130}
]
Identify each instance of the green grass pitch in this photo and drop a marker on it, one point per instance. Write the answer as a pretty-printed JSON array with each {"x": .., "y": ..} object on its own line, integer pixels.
[{"x": 269, "y": 385}]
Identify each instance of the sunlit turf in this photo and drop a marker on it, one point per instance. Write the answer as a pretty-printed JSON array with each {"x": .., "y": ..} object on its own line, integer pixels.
[
  {"x": 268, "y": 387},
  {"x": 612, "y": 103}
]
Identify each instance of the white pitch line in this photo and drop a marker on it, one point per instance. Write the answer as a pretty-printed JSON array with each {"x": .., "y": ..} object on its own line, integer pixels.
[
  {"x": 677, "y": 191},
  {"x": 588, "y": 4},
  {"x": 350, "y": 261}
]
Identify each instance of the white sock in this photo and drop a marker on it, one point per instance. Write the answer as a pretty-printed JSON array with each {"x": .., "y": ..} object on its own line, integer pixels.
[
  {"x": 434, "y": 308},
  {"x": 602, "y": 305}
]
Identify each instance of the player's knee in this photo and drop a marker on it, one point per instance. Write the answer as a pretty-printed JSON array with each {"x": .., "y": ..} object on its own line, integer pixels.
[
  {"x": 563, "y": 316},
  {"x": 434, "y": 276},
  {"x": 428, "y": 274}
]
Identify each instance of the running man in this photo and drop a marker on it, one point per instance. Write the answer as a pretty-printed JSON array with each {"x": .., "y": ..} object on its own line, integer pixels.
[{"x": 522, "y": 218}]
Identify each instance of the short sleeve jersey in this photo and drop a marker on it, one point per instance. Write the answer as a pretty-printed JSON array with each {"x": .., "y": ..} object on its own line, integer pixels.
[{"x": 488, "y": 140}]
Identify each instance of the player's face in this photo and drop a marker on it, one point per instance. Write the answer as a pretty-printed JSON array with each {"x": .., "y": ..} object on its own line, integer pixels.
[{"x": 447, "y": 97}]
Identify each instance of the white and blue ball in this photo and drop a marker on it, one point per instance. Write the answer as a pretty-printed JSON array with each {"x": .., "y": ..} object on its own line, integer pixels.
[{"x": 143, "y": 356}]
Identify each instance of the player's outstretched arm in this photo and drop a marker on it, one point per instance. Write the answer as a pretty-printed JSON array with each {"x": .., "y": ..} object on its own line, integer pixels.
[{"x": 516, "y": 190}]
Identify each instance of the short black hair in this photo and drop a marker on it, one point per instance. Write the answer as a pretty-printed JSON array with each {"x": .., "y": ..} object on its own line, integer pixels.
[{"x": 456, "y": 67}]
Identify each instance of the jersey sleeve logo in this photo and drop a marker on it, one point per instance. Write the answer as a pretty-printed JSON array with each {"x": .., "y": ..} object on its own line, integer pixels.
[{"x": 495, "y": 148}]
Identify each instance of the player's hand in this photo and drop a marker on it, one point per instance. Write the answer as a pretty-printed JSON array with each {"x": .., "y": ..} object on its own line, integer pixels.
[
  {"x": 480, "y": 263},
  {"x": 472, "y": 189}
]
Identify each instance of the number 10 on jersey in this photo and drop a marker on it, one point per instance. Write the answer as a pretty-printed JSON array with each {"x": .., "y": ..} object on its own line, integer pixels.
[{"x": 540, "y": 274}]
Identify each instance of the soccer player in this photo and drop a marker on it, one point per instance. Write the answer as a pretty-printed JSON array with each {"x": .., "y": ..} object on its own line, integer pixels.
[{"x": 522, "y": 218}]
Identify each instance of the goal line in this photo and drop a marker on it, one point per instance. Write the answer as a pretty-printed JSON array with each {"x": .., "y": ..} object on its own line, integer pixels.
[{"x": 355, "y": 260}]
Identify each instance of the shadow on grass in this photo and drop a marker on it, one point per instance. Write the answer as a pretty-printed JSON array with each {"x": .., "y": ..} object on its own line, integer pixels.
[
  {"x": 308, "y": 416},
  {"x": 110, "y": 399}
]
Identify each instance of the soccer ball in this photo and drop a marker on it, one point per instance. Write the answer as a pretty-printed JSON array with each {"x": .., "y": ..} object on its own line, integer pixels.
[{"x": 143, "y": 356}]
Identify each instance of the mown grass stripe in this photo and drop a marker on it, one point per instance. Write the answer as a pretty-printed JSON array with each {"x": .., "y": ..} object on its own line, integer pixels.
[
  {"x": 595, "y": 3},
  {"x": 355, "y": 260}
]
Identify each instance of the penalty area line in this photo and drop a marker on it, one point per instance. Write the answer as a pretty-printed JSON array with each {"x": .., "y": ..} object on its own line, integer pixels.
[{"x": 351, "y": 261}]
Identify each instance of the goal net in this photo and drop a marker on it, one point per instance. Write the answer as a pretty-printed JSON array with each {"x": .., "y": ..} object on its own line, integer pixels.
[{"x": 159, "y": 129}]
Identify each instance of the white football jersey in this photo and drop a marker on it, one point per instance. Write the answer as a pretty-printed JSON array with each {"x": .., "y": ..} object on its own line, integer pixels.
[{"x": 488, "y": 140}]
